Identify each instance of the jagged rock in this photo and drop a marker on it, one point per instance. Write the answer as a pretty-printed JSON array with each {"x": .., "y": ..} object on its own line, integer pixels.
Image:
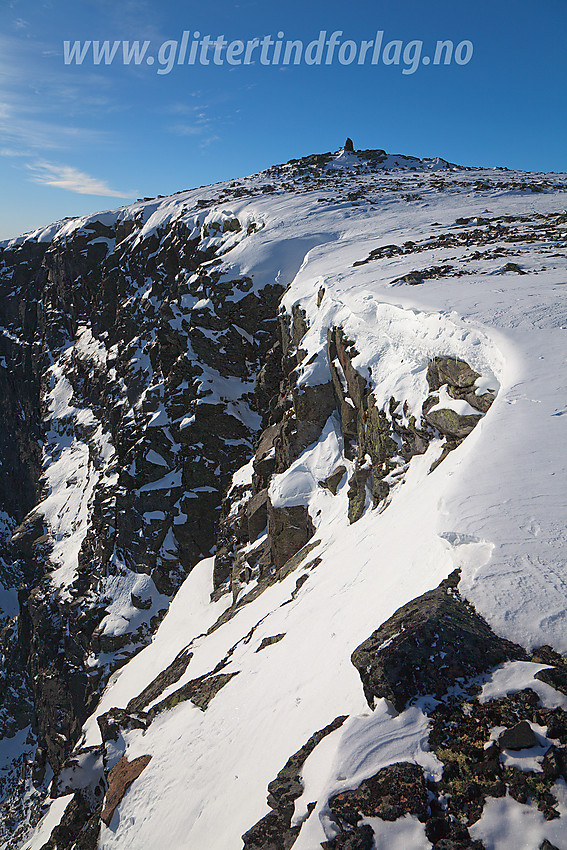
[
  {"x": 292, "y": 563},
  {"x": 257, "y": 514},
  {"x": 357, "y": 493},
  {"x": 554, "y": 762},
  {"x": 360, "y": 838},
  {"x": 268, "y": 381},
  {"x": 58, "y": 678},
  {"x": 394, "y": 791},
  {"x": 473, "y": 772},
  {"x": 120, "y": 778},
  {"x": 16, "y": 693},
  {"x": 265, "y": 456},
  {"x": 79, "y": 827},
  {"x": 289, "y": 529},
  {"x": 299, "y": 325},
  {"x": 200, "y": 691},
  {"x": 332, "y": 481},
  {"x": 171, "y": 674},
  {"x": 314, "y": 404},
  {"x": 274, "y": 831},
  {"x": 77, "y": 304},
  {"x": 376, "y": 436},
  {"x": 481, "y": 402},
  {"x": 450, "y": 423},
  {"x": 287, "y": 786},
  {"x": 426, "y": 646},
  {"x": 84, "y": 772},
  {"x": 269, "y": 641},
  {"x": 380, "y": 491},
  {"x": 452, "y": 371},
  {"x": 342, "y": 348},
  {"x": 139, "y": 602},
  {"x": 513, "y": 267},
  {"x": 346, "y": 407},
  {"x": 518, "y": 737},
  {"x": 28, "y": 534},
  {"x": 117, "y": 720},
  {"x": 39, "y": 765}
]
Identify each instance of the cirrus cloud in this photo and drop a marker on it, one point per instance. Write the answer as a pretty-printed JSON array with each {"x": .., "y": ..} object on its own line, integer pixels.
[{"x": 70, "y": 178}]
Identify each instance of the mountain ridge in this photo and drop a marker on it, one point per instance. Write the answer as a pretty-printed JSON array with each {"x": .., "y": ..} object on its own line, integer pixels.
[{"x": 199, "y": 372}]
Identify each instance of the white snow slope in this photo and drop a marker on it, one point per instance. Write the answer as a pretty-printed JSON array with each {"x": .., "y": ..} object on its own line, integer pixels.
[{"x": 495, "y": 508}]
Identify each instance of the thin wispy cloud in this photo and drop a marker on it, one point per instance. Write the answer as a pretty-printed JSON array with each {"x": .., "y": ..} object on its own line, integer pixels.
[
  {"x": 67, "y": 177},
  {"x": 42, "y": 135},
  {"x": 188, "y": 129},
  {"x": 209, "y": 141},
  {"x": 37, "y": 99},
  {"x": 10, "y": 152}
]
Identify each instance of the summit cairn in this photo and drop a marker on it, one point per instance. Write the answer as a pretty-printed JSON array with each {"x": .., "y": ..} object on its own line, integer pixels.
[{"x": 349, "y": 147}]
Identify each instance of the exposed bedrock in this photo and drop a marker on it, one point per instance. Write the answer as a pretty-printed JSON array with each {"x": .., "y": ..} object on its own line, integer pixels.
[{"x": 427, "y": 645}]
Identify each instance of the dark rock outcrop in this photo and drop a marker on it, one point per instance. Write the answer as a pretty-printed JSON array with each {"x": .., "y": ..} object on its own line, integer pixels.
[
  {"x": 79, "y": 827},
  {"x": 289, "y": 529},
  {"x": 427, "y": 646},
  {"x": 274, "y": 831},
  {"x": 333, "y": 480},
  {"x": 131, "y": 330},
  {"x": 394, "y": 791},
  {"x": 357, "y": 493},
  {"x": 518, "y": 737},
  {"x": 360, "y": 838}
]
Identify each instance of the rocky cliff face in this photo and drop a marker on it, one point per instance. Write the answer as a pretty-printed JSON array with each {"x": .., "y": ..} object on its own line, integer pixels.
[
  {"x": 128, "y": 385},
  {"x": 229, "y": 388}
]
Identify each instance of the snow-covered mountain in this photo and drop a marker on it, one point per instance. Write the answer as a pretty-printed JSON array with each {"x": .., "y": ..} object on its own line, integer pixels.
[{"x": 282, "y": 515}]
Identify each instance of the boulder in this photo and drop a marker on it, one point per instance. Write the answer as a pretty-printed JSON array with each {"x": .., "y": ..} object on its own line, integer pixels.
[
  {"x": 450, "y": 423},
  {"x": 452, "y": 371},
  {"x": 427, "y": 645},
  {"x": 518, "y": 737},
  {"x": 332, "y": 481}
]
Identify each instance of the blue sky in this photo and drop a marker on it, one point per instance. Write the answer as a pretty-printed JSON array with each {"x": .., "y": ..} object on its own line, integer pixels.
[{"x": 76, "y": 139}]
